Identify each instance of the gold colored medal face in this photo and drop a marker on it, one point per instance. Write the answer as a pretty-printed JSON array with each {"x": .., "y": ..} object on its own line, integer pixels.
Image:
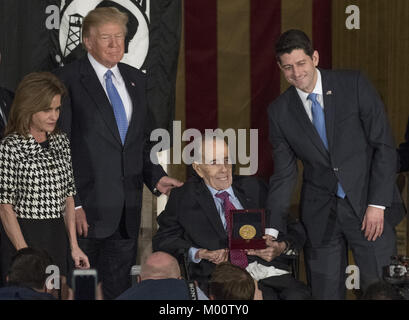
[{"x": 247, "y": 231}]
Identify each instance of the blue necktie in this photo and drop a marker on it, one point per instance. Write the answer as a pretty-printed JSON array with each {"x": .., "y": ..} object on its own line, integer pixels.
[
  {"x": 318, "y": 120},
  {"x": 117, "y": 106}
]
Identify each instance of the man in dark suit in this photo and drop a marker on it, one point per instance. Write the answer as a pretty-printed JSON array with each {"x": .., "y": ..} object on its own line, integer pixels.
[
  {"x": 335, "y": 123},
  {"x": 108, "y": 123},
  {"x": 194, "y": 222},
  {"x": 403, "y": 152}
]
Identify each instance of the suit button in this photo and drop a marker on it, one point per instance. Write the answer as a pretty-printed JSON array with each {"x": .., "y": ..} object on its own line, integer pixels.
[{"x": 335, "y": 169}]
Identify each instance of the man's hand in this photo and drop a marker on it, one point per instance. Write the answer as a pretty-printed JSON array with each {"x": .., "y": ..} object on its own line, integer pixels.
[
  {"x": 373, "y": 223},
  {"x": 273, "y": 250},
  {"x": 81, "y": 222},
  {"x": 269, "y": 239},
  {"x": 265, "y": 254},
  {"x": 166, "y": 184},
  {"x": 215, "y": 256}
]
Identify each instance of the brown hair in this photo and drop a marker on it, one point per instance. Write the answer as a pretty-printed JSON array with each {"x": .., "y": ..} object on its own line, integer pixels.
[
  {"x": 292, "y": 40},
  {"x": 28, "y": 268},
  {"x": 34, "y": 94},
  {"x": 230, "y": 282},
  {"x": 103, "y": 15}
]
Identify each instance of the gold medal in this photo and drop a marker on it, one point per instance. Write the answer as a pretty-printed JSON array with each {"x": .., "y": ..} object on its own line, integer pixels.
[{"x": 247, "y": 231}]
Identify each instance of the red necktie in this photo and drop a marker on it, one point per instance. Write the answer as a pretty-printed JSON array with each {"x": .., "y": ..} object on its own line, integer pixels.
[{"x": 237, "y": 256}]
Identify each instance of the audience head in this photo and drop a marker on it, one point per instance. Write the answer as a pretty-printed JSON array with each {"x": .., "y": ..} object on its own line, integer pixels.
[
  {"x": 103, "y": 35},
  {"x": 36, "y": 104},
  {"x": 28, "y": 269},
  {"x": 214, "y": 164},
  {"x": 160, "y": 265},
  {"x": 381, "y": 291},
  {"x": 230, "y": 282}
]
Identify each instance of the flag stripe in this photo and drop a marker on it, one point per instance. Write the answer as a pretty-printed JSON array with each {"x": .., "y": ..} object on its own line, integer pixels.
[
  {"x": 233, "y": 47},
  {"x": 295, "y": 14},
  {"x": 201, "y": 63},
  {"x": 322, "y": 31},
  {"x": 265, "y": 26}
]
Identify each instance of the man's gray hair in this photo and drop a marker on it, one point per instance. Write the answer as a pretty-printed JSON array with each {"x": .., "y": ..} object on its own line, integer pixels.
[{"x": 203, "y": 142}]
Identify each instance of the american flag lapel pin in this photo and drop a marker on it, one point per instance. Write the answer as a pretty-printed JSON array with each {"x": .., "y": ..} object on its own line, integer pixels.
[{"x": 329, "y": 92}]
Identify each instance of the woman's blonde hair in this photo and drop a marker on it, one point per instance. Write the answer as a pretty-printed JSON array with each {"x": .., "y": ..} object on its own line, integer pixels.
[{"x": 34, "y": 94}]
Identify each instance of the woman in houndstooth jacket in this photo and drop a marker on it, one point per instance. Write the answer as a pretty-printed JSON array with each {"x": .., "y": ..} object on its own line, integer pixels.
[{"x": 36, "y": 178}]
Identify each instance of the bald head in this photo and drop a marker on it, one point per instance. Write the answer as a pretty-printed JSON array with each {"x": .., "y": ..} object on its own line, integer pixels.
[{"x": 160, "y": 265}]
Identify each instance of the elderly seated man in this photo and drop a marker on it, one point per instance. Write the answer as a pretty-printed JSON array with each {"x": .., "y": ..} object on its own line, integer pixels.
[{"x": 194, "y": 221}]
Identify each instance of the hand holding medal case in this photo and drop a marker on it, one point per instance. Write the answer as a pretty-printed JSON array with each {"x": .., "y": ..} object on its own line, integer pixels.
[{"x": 247, "y": 229}]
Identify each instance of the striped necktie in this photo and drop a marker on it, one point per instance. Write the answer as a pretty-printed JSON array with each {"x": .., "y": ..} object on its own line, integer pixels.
[
  {"x": 117, "y": 106},
  {"x": 237, "y": 257}
]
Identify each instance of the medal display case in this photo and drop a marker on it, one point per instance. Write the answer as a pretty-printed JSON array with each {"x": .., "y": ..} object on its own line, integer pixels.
[{"x": 248, "y": 228}]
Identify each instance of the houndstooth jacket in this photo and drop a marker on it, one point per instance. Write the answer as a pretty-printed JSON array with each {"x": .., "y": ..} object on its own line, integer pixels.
[{"x": 36, "y": 180}]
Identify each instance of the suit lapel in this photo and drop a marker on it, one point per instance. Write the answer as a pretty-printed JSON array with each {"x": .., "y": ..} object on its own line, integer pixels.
[
  {"x": 208, "y": 206},
  {"x": 245, "y": 201},
  {"x": 131, "y": 88},
  {"x": 305, "y": 123},
  {"x": 91, "y": 83},
  {"x": 329, "y": 107}
]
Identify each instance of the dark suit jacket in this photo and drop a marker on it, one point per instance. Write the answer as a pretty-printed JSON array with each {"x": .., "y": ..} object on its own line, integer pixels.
[
  {"x": 6, "y": 99},
  {"x": 160, "y": 289},
  {"x": 109, "y": 176},
  {"x": 191, "y": 219},
  {"x": 23, "y": 293},
  {"x": 361, "y": 155},
  {"x": 404, "y": 152}
]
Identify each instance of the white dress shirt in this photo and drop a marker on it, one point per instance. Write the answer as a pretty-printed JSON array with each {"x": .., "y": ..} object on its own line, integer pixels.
[
  {"x": 304, "y": 96},
  {"x": 118, "y": 82}
]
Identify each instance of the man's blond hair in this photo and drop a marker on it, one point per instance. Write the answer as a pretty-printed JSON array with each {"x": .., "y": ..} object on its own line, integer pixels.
[{"x": 101, "y": 16}]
